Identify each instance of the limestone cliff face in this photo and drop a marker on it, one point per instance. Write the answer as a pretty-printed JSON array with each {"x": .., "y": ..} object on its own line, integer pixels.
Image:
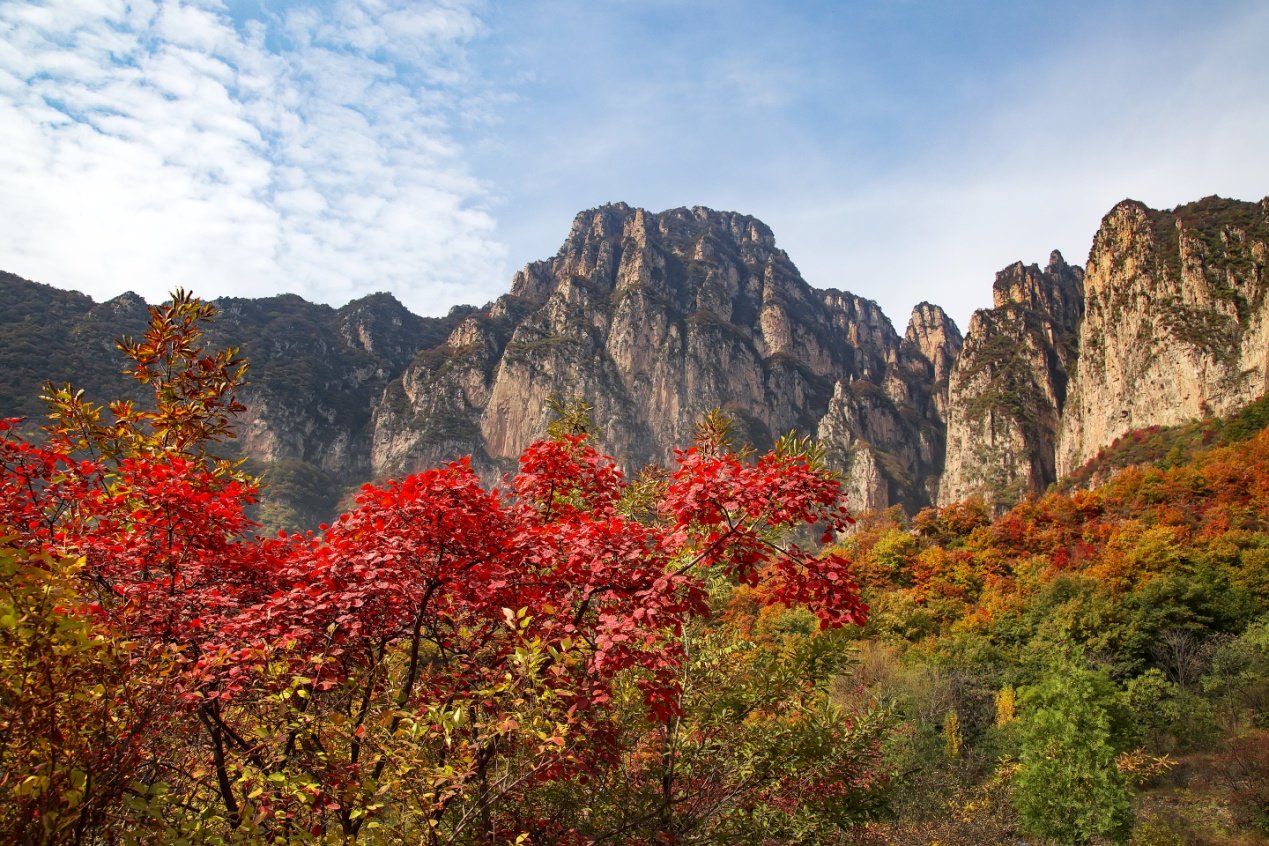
[
  {"x": 939, "y": 342},
  {"x": 1007, "y": 390},
  {"x": 1176, "y": 324},
  {"x": 432, "y": 413},
  {"x": 654, "y": 319},
  {"x": 316, "y": 373},
  {"x": 888, "y": 436}
]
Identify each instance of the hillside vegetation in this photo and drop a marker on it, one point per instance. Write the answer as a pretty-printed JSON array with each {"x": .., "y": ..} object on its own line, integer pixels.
[
  {"x": 583, "y": 658},
  {"x": 1137, "y": 610}
]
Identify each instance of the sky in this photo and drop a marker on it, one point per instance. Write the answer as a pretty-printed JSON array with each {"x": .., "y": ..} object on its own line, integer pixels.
[{"x": 904, "y": 150}]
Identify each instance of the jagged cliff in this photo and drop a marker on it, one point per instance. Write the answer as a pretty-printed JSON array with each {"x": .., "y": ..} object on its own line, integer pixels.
[
  {"x": 655, "y": 319},
  {"x": 1007, "y": 389},
  {"x": 316, "y": 373},
  {"x": 1176, "y": 324},
  {"x": 888, "y": 437}
]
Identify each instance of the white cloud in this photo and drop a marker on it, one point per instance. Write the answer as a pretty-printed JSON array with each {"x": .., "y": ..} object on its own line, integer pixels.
[
  {"x": 329, "y": 149},
  {"x": 146, "y": 146}
]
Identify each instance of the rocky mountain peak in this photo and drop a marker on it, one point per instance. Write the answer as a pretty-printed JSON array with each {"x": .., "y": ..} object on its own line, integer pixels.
[
  {"x": 125, "y": 315},
  {"x": 380, "y": 325},
  {"x": 1008, "y": 386},
  {"x": 128, "y": 310},
  {"x": 1056, "y": 291},
  {"x": 380, "y": 302},
  {"x": 936, "y": 336},
  {"x": 601, "y": 222},
  {"x": 620, "y": 247},
  {"x": 655, "y": 318},
  {"x": 678, "y": 230},
  {"x": 126, "y": 301}
]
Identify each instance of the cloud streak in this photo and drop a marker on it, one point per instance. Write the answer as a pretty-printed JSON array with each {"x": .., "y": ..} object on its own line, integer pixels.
[{"x": 150, "y": 145}]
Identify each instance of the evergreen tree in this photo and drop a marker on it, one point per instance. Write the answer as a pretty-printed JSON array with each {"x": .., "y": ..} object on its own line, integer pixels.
[{"x": 1068, "y": 788}]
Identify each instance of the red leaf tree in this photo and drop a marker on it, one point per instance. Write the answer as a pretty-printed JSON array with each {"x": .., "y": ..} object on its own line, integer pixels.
[{"x": 433, "y": 655}]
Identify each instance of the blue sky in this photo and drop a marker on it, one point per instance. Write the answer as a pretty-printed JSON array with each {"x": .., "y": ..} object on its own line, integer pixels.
[{"x": 901, "y": 149}]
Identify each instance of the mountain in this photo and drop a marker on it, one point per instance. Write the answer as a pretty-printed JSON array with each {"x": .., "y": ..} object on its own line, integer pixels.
[
  {"x": 1007, "y": 389},
  {"x": 1176, "y": 324},
  {"x": 50, "y": 335},
  {"x": 656, "y": 318},
  {"x": 316, "y": 374}
]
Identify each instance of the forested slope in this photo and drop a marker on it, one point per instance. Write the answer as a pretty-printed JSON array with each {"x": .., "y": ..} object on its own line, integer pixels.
[{"x": 1135, "y": 613}]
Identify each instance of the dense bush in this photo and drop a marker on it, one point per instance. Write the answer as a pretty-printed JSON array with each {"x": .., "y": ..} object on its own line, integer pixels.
[{"x": 550, "y": 662}]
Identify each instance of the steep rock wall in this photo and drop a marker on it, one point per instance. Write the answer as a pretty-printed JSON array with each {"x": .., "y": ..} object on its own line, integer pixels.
[
  {"x": 655, "y": 319},
  {"x": 1176, "y": 323},
  {"x": 1007, "y": 389}
]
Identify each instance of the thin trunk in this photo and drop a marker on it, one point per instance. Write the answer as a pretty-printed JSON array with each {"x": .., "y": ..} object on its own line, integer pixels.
[
  {"x": 351, "y": 826},
  {"x": 667, "y": 780},
  {"x": 222, "y": 772},
  {"x": 482, "y": 799}
]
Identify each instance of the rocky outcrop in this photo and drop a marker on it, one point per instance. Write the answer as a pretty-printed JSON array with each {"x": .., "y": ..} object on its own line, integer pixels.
[
  {"x": 316, "y": 375},
  {"x": 1007, "y": 390},
  {"x": 655, "y": 319},
  {"x": 1176, "y": 324},
  {"x": 939, "y": 342},
  {"x": 888, "y": 436}
]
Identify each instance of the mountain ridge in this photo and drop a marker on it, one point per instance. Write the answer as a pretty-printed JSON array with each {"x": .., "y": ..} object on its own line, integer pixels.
[{"x": 655, "y": 318}]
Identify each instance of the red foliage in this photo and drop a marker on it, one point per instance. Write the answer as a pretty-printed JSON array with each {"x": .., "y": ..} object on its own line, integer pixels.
[
  {"x": 427, "y": 595},
  {"x": 436, "y": 561}
]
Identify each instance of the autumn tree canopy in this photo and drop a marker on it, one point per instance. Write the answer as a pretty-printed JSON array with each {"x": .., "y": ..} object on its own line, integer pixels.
[{"x": 446, "y": 663}]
